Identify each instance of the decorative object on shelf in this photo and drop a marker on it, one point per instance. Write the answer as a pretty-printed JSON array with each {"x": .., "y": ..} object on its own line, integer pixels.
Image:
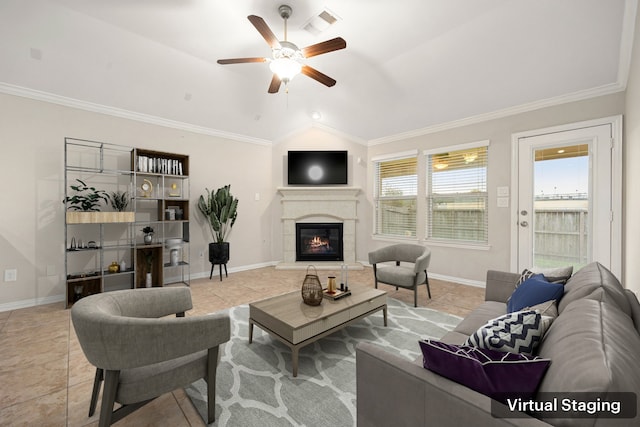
[
  {"x": 147, "y": 188},
  {"x": 174, "y": 190},
  {"x": 311, "y": 288},
  {"x": 114, "y": 267},
  {"x": 148, "y": 255},
  {"x": 123, "y": 265},
  {"x": 148, "y": 235},
  {"x": 73, "y": 244},
  {"x": 87, "y": 198},
  {"x": 77, "y": 293},
  {"x": 91, "y": 244},
  {"x": 119, "y": 200},
  {"x": 220, "y": 210},
  {"x": 173, "y": 245}
]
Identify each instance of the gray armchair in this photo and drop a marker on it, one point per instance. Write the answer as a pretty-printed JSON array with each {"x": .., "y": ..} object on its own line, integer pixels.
[
  {"x": 398, "y": 275},
  {"x": 140, "y": 353}
]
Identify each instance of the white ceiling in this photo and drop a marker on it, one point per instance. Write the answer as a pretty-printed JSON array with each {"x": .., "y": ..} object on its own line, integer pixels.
[{"x": 408, "y": 65}]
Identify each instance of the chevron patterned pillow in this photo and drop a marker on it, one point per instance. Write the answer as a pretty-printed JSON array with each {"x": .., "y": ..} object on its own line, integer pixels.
[{"x": 518, "y": 332}]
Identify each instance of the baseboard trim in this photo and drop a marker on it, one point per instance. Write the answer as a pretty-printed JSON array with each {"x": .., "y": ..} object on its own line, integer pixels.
[
  {"x": 32, "y": 302},
  {"x": 60, "y": 298}
]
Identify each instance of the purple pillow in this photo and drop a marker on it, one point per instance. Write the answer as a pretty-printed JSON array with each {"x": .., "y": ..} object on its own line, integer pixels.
[{"x": 493, "y": 373}]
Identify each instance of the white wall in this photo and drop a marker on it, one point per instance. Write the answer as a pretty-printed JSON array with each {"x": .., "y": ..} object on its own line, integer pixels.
[
  {"x": 472, "y": 264},
  {"x": 32, "y": 176},
  {"x": 631, "y": 267}
]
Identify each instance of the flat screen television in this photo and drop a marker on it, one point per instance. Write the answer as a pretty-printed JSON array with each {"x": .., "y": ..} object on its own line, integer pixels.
[{"x": 317, "y": 168}]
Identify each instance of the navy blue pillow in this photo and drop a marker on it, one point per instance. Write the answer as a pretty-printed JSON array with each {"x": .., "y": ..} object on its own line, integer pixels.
[{"x": 535, "y": 290}]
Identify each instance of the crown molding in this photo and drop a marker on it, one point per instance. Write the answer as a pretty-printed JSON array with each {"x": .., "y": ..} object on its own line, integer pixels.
[
  {"x": 38, "y": 95},
  {"x": 511, "y": 111}
]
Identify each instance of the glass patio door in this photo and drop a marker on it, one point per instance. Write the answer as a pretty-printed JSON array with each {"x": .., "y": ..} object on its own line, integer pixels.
[{"x": 564, "y": 198}]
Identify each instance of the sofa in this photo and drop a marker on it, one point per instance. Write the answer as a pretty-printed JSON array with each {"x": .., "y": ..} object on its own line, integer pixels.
[{"x": 593, "y": 345}]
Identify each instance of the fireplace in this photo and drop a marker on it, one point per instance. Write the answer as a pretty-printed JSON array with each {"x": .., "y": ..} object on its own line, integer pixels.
[{"x": 319, "y": 241}]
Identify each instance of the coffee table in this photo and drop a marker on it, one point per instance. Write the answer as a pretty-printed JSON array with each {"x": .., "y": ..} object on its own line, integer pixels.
[{"x": 296, "y": 324}]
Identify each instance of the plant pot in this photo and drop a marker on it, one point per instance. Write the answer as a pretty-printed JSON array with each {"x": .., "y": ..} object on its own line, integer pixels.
[
  {"x": 149, "y": 281},
  {"x": 219, "y": 253},
  {"x": 148, "y": 239}
]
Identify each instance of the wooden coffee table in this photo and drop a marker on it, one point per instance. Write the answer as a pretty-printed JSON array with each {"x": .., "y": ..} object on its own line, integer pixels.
[{"x": 288, "y": 319}]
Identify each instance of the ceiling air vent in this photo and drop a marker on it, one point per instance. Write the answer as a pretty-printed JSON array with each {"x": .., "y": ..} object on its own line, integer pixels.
[{"x": 321, "y": 22}]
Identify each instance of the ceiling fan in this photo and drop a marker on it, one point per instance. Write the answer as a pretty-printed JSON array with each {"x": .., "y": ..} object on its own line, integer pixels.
[{"x": 287, "y": 59}]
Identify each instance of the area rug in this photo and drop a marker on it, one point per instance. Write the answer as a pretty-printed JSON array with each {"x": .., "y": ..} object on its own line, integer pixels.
[{"x": 254, "y": 382}]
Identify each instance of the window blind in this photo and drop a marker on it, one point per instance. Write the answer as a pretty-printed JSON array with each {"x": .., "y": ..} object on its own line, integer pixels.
[
  {"x": 395, "y": 193},
  {"x": 457, "y": 195}
]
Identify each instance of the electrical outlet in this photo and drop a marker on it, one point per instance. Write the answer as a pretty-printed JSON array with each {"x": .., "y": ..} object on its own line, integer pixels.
[{"x": 11, "y": 275}]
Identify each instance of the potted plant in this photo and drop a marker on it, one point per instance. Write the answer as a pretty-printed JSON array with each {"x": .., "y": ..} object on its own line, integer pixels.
[
  {"x": 148, "y": 235},
  {"x": 220, "y": 210},
  {"x": 83, "y": 205},
  {"x": 119, "y": 200}
]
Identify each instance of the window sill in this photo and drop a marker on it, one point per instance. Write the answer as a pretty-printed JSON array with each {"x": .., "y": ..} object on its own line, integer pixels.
[
  {"x": 460, "y": 245},
  {"x": 384, "y": 238}
]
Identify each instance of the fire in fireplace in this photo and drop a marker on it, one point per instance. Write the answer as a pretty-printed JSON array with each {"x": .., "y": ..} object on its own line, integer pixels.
[{"x": 319, "y": 241}]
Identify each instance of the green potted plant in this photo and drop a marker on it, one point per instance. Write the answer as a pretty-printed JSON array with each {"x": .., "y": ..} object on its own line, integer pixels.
[
  {"x": 86, "y": 199},
  {"x": 220, "y": 210},
  {"x": 119, "y": 200},
  {"x": 148, "y": 235},
  {"x": 84, "y": 205}
]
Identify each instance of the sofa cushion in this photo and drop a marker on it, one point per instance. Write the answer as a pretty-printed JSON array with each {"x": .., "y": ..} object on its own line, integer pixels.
[
  {"x": 535, "y": 290},
  {"x": 403, "y": 276},
  {"x": 486, "y": 371},
  {"x": 594, "y": 347},
  {"x": 518, "y": 332},
  {"x": 594, "y": 281},
  {"x": 480, "y": 316},
  {"x": 555, "y": 274}
]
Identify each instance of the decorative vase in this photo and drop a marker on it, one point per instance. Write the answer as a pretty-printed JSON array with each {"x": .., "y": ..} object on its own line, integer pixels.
[
  {"x": 148, "y": 238},
  {"x": 148, "y": 282},
  {"x": 123, "y": 265},
  {"x": 114, "y": 267},
  {"x": 174, "y": 257},
  {"x": 311, "y": 288}
]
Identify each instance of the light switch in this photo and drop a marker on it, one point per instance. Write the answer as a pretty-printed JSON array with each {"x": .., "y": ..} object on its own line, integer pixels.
[
  {"x": 503, "y": 191},
  {"x": 503, "y": 202}
]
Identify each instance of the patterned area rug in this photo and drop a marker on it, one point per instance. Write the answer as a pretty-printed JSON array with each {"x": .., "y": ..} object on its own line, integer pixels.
[{"x": 254, "y": 382}]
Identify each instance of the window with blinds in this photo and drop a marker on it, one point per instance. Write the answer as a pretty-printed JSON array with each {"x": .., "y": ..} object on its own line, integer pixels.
[
  {"x": 457, "y": 198},
  {"x": 396, "y": 193}
]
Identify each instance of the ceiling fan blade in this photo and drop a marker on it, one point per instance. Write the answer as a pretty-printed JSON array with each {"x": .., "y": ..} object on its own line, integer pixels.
[
  {"x": 240, "y": 60},
  {"x": 265, "y": 31},
  {"x": 324, "y": 47},
  {"x": 318, "y": 76},
  {"x": 274, "y": 87}
]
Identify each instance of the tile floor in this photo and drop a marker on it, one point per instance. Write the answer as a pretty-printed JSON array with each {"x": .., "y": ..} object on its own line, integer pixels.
[{"x": 45, "y": 379}]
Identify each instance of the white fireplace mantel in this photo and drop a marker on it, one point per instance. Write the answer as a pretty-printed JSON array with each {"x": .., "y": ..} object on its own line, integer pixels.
[{"x": 319, "y": 204}]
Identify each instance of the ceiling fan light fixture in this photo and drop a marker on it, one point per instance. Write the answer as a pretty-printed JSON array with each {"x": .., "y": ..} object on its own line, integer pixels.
[
  {"x": 287, "y": 61},
  {"x": 285, "y": 68}
]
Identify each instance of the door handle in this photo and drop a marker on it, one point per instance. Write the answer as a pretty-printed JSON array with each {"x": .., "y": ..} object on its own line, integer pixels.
[{"x": 524, "y": 224}]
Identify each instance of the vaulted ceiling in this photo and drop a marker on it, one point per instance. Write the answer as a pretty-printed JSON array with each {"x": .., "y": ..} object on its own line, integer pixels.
[{"x": 408, "y": 65}]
